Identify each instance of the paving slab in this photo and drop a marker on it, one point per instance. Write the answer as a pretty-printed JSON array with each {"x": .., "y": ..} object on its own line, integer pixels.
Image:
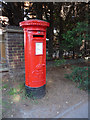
[{"x": 79, "y": 110}]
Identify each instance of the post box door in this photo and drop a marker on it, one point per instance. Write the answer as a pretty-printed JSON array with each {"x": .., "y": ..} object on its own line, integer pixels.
[{"x": 37, "y": 58}]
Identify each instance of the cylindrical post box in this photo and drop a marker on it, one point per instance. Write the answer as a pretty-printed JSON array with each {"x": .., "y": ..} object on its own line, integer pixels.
[{"x": 35, "y": 56}]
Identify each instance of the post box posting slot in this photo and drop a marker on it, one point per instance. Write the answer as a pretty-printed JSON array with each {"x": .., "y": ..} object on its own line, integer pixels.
[{"x": 38, "y": 36}]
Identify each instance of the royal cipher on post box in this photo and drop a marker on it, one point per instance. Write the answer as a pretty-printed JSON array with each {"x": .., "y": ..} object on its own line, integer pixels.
[{"x": 35, "y": 56}]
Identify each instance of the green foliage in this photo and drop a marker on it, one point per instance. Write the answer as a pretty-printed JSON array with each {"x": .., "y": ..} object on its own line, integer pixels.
[
  {"x": 80, "y": 76},
  {"x": 60, "y": 62},
  {"x": 73, "y": 38},
  {"x": 5, "y": 86},
  {"x": 20, "y": 90},
  {"x": 17, "y": 90}
]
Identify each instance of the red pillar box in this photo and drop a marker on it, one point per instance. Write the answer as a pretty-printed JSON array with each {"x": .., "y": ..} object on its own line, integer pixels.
[{"x": 35, "y": 56}]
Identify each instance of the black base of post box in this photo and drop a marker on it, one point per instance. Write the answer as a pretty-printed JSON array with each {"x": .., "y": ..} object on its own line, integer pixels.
[{"x": 35, "y": 92}]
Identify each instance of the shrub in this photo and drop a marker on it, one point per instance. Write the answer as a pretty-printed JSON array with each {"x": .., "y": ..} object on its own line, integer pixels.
[
  {"x": 73, "y": 38},
  {"x": 80, "y": 76},
  {"x": 60, "y": 62}
]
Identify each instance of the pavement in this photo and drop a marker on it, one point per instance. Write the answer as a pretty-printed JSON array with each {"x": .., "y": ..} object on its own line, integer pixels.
[{"x": 79, "y": 110}]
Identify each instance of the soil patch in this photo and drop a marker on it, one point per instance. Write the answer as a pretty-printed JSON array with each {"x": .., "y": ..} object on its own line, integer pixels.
[{"x": 61, "y": 94}]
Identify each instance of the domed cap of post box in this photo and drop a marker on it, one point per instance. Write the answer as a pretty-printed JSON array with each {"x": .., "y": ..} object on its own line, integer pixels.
[{"x": 34, "y": 22}]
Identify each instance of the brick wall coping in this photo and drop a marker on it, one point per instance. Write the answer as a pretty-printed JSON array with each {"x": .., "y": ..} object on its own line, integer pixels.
[{"x": 13, "y": 29}]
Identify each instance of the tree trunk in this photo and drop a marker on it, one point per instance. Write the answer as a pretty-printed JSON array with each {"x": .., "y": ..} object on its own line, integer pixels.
[
  {"x": 73, "y": 53},
  {"x": 39, "y": 10},
  {"x": 60, "y": 32},
  {"x": 60, "y": 38},
  {"x": 50, "y": 32},
  {"x": 85, "y": 50}
]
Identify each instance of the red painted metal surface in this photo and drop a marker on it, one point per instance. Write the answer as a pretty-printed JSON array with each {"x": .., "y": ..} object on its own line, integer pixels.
[{"x": 35, "y": 52}]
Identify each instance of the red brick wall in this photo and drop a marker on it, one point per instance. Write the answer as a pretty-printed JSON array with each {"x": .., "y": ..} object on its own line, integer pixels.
[{"x": 15, "y": 48}]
